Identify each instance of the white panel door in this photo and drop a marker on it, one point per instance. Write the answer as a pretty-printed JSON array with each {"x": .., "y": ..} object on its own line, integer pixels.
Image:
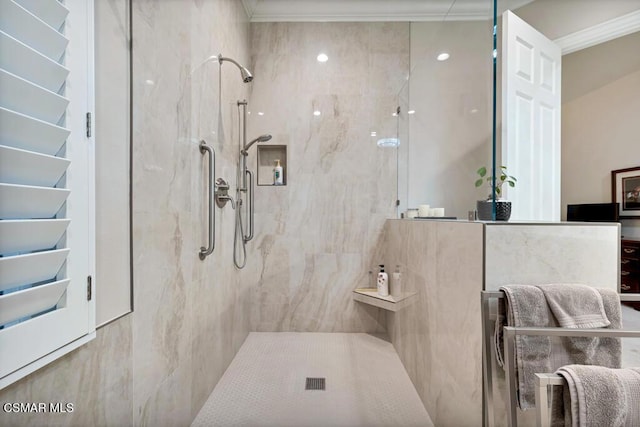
[{"x": 531, "y": 72}]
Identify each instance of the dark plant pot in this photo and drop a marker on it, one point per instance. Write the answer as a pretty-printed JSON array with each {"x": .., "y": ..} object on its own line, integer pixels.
[{"x": 503, "y": 210}]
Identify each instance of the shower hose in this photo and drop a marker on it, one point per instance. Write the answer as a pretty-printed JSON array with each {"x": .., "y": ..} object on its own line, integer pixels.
[{"x": 239, "y": 236}]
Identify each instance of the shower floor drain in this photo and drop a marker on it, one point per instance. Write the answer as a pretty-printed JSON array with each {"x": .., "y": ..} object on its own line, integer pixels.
[{"x": 315, "y": 384}]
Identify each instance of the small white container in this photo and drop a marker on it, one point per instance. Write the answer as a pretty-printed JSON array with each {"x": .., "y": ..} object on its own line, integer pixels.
[
  {"x": 396, "y": 283},
  {"x": 383, "y": 282},
  {"x": 412, "y": 213},
  {"x": 423, "y": 211}
]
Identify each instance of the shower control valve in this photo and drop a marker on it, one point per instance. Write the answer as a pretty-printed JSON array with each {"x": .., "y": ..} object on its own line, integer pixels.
[{"x": 222, "y": 194}]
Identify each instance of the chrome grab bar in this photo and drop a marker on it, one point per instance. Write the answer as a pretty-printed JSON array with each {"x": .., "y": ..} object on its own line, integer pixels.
[
  {"x": 204, "y": 252},
  {"x": 250, "y": 189}
]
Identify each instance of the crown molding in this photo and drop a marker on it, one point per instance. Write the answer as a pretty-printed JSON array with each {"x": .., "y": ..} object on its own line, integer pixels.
[
  {"x": 368, "y": 10},
  {"x": 600, "y": 33}
]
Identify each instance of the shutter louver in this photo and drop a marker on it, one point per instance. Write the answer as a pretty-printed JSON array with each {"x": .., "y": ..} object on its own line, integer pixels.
[
  {"x": 35, "y": 163},
  {"x": 28, "y": 178}
]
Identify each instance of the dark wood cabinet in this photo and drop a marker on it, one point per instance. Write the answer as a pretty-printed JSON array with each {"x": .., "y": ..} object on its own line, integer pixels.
[{"x": 630, "y": 269}]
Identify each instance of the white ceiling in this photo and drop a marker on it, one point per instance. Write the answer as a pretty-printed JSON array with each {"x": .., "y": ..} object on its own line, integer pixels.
[{"x": 370, "y": 10}]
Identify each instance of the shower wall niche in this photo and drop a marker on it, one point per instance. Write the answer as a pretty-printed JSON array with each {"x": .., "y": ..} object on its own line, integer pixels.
[{"x": 267, "y": 157}]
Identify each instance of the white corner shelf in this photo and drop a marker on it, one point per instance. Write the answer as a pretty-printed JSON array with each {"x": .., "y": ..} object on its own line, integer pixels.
[{"x": 370, "y": 296}]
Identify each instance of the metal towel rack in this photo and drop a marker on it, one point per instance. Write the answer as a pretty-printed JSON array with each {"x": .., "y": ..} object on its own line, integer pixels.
[
  {"x": 206, "y": 251},
  {"x": 488, "y": 323}
]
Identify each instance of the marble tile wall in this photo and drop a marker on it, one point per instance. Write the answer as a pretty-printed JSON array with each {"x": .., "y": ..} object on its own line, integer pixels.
[
  {"x": 96, "y": 378},
  {"x": 438, "y": 336},
  {"x": 191, "y": 316},
  {"x": 317, "y": 237},
  {"x": 552, "y": 253},
  {"x": 158, "y": 365}
]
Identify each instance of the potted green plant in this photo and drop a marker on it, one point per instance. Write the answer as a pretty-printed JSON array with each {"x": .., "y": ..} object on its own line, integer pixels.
[{"x": 503, "y": 207}]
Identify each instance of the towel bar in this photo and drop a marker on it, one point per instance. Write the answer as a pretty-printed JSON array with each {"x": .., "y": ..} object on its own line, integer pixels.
[
  {"x": 509, "y": 348},
  {"x": 543, "y": 381}
]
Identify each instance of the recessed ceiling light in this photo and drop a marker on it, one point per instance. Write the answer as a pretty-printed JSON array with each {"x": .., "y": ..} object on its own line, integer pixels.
[
  {"x": 443, "y": 56},
  {"x": 322, "y": 57},
  {"x": 411, "y": 112},
  {"x": 260, "y": 113},
  {"x": 316, "y": 113},
  {"x": 474, "y": 110},
  {"x": 388, "y": 142},
  {"x": 150, "y": 82},
  {"x": 374, "y": 133},
  {"x": 394, "y": 114}
]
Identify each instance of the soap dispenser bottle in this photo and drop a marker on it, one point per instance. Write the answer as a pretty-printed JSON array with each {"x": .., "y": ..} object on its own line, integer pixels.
[
  {"x": 396, "y": 283},
  {"x": 277, "y": 173},
  {"x": 383, "y": 282}
]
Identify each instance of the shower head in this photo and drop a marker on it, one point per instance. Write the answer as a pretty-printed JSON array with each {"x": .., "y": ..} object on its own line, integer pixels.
[
  {"x": 261, "y": 138},
  {"x": 246, "y": 74}
]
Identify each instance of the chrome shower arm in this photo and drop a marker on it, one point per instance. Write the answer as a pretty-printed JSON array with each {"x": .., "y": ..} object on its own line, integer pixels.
[{"x": 246, "y": 74}]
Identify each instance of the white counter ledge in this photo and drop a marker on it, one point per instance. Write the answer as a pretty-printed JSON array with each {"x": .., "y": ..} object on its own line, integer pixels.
[{"x": 370, "y": 296}]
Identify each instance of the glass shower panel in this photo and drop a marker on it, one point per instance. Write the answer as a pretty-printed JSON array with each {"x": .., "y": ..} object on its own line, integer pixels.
[
  {"x": 450, "y": 97},
  {"x": 402, "y": 150}
]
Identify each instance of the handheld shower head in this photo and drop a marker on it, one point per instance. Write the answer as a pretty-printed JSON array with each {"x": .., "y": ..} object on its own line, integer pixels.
[
  {"x": 261, "y": 138},
  {"x": 246, "y": 74}
]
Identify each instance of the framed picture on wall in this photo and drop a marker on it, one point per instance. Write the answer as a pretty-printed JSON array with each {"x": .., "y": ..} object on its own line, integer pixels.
[{"x": 625, "y": 189}]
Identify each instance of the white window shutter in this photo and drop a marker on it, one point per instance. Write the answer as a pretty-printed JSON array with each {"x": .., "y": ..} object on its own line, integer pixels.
[{"x": 47, "y": 198}]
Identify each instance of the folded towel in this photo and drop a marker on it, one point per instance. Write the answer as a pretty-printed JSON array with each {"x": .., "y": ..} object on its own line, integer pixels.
[
  {"x": 601, "y": 396},
  {"x": 527, "y": 307},
  {"x": 575, "y": 306}
]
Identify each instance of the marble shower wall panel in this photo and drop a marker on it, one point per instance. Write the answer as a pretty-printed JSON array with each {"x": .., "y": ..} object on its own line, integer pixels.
[
  {"x": 191, "y": 315},
  {"x": 220, "y": 294},
  {"x": 317, "y": 237},
  {"x": 438, "y": 336},
  {"x": 97, "y": 379},
  {"x": 163, "y": 228},
  {"x": 553, "y": 253}
]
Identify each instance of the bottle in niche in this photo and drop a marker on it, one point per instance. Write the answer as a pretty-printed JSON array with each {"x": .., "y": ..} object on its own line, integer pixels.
[
  {"x": 383, "y": 282},
  {"x": 396, "y": 283},
  {"x": 277, "y": 173}
]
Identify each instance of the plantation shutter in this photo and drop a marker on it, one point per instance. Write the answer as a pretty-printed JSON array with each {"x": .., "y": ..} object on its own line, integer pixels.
[{"x": 46, "y": 182}]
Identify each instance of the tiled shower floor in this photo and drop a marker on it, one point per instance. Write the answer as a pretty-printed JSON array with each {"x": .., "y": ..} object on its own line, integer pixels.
[{"x": 366, "y": 384}]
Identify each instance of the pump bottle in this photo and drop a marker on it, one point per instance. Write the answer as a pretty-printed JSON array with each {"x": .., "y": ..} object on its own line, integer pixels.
[
  {"x": 277, "y": 173},
  {"x": 383, "y": 282}
]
